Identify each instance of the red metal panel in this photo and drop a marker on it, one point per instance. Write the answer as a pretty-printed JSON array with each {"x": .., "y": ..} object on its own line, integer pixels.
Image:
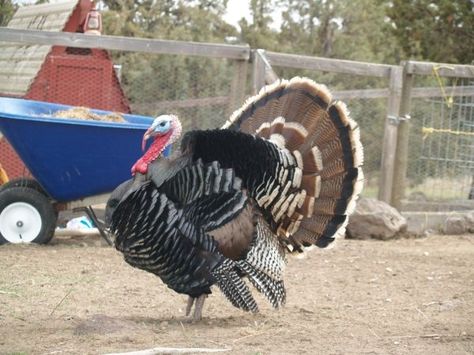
[
  {"x": 81, "y": 80},
  {"x": 11, "y": 162}
]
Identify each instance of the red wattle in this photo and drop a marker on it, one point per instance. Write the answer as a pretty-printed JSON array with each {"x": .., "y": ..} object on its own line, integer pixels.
[{"x": 151, "y": 154}]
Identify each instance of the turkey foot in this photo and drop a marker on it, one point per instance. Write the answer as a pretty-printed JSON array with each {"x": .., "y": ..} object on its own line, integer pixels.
[{"x": 197, "y": 315}]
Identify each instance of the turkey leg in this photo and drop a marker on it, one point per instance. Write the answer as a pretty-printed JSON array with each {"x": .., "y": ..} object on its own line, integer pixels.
[
  {"x": 189, "y": 305},
  {"x": 197, "y": 315}
]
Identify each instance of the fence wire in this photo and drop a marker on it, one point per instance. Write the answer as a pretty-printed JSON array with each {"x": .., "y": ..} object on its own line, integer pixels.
[
  {"x": 441, "y": 154},
  {"x": 198, "y": 90},
  {"x": 203, "y": 92}
]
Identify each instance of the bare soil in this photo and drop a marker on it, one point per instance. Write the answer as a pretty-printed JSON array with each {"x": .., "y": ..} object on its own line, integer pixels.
[{"x": 408, "y": 296}]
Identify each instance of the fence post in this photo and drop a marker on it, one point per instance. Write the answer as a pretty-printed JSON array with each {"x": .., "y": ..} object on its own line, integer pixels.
[
  {"x": 258, "y": 70},
  {"x": 238, "y": 86},
  {"x": 401, "y": 157},
  {"x": 270, "y": 76},
  {"x": 390, "y": 135}
]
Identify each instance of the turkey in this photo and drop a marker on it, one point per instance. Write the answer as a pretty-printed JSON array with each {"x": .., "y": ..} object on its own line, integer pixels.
[{"x": 281, "y": 176}]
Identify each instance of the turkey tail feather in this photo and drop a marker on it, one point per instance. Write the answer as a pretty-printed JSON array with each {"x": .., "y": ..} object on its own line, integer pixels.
[{"x": 321, "y": 142}]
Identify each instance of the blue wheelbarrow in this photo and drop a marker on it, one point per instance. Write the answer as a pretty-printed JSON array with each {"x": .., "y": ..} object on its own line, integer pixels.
[{"x": 75, "y": 163}]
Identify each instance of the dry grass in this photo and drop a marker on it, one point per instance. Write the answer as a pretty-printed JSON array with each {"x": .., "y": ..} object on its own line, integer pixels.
[{"x": 84, "y": 113}]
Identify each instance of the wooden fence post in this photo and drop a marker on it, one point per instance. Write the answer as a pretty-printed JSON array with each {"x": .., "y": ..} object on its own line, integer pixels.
[
  {"x": 270, "y": 76},
  {"x": 401, "y": 157},
  {"x": 258, "y": 71},
  {"x": 390, "y": 135},
  {"x": 238, "y": 88}
]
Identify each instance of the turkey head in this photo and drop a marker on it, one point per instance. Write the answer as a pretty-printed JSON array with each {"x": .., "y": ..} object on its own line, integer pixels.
[{"x": 165, "y": 130}]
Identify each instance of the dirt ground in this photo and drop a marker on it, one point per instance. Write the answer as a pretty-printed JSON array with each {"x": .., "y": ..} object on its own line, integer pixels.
[{"x": 409, "y": 296}]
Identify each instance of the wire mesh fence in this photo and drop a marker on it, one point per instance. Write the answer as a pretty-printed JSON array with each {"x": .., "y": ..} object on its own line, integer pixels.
[
  {"x": 370, "y": 115},
  {"x": 441, "y": 154},
  {"x": 204, "y": 90},
  {"x": 201, "y": 91}
]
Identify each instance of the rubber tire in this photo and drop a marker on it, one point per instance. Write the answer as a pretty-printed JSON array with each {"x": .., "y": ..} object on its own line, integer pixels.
[
  {"x": 23, "y": 182},
  {"x": 39, "y": 202}
]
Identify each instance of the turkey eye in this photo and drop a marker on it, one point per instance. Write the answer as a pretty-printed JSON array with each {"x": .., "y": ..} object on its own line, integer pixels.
[{"x": 162, "y": 124}]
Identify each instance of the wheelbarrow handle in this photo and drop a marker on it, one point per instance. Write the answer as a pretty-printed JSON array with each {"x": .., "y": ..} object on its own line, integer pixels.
[{"x": 99, "y": 224}]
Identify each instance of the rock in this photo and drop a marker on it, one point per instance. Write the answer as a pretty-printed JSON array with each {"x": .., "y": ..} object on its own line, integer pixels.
[
  {"x": 470, "y": 221},
  {"x": 455, "y": 225},
  {"x": 375, "y": 219},
  {"x": 417, "y": 196}
]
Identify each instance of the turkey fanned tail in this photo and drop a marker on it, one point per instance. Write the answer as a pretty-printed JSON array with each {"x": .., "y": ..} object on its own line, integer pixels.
[{"x": 317, "y": 175}]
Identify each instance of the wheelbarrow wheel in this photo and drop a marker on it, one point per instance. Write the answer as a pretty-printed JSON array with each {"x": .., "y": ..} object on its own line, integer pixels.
[
  {"x": 23, "y": 182},
  {"x": 26, "y": 216}
]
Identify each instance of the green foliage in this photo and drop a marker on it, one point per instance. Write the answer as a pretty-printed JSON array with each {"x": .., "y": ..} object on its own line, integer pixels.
[
  {"x": 329, "y": 28},
  {"x": 365, "y": 35},
  {"x": 7, "y": 9},
  {"x": 357, "y": 30},
  {"x": 312, "y": 25},
  {"x": 258, "y": 33},
  {"x": 167, "y": 19},
  {"x": 440, "y": 31}
]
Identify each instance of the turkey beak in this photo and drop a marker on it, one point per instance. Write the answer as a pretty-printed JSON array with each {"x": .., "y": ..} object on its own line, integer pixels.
[{"x": 146, "y": 136}]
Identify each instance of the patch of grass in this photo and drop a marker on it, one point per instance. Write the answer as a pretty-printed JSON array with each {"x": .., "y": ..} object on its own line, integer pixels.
[
  {"x": 432, "y": 189},
  {"x": 443, "y": 189}
]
